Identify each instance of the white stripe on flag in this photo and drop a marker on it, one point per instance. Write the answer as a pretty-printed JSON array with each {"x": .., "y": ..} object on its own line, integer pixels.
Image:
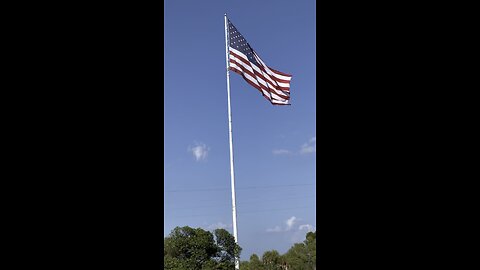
[
  {"x": 270, "y": 75},
  {"x": 260, "y": 80}
]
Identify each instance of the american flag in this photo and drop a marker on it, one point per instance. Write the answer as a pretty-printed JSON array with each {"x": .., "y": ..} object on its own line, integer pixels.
[{"x": 273, "y": 84}]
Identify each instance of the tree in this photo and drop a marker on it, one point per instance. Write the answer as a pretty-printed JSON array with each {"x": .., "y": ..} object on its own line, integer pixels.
[
  {"x": 302, "y": 256},
  {"x": 272, "y": 260},
  {"x": 255, "y": 263},
  {"x": 311, "y": 248},
  {"x": 174, "y": 263},
  {"x": 188, "y": 247},
  {"x": 296, "y": 257},
  {"x": 245, "y": 265},
  {"x": 196, "y": 249},
  {"x": 228, "y": 249}
]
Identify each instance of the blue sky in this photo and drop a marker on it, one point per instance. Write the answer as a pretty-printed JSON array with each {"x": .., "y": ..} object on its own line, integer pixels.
[{"x": 274, "y": 146}]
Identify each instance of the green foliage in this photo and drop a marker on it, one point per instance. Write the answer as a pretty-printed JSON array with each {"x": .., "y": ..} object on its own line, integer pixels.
[
  {"x": 255, "y": 263},
  {"x": 311, "y": 246},
  {"x": 301, "y": 256},
  {"x": 296, "y": 257},
  {"x": 192, "y": 247},
  {"x": 196, "y": 249},
  {"x": 245, "y": 265},
  {"x": 174, "y": 263},
  {"x": 228, "y": 249},
  {"x": 271, "y": 260}
]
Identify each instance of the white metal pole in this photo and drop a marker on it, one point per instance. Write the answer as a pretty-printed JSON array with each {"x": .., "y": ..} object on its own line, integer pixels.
[{"x": 232, "y": 175}]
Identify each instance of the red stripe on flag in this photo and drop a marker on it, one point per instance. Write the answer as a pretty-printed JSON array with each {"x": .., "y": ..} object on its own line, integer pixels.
[
  {"x": 262, "y": 76},
  {"x": 280, "y": 91},
  {"x": 259, "y": 84},
  {"x": 246, "y": 61},
  {"x": 249, "y": 82}
]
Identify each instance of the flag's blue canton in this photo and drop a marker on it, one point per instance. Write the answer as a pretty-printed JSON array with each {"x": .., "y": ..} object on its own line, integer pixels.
[{"x": 238, "y": 42}]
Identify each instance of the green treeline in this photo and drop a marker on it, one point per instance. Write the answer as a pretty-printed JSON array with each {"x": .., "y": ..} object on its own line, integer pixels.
[
  {"x": 196, "y": 249},
  {"x": 301, "y": 256}
]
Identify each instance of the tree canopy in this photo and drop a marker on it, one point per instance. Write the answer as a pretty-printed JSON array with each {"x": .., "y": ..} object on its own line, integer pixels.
[
  {"x": 187, "y": 248},
  {"x": 301, "y": 256}
]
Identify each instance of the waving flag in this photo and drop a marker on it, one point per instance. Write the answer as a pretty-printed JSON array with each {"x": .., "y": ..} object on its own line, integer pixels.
[{"x": 274, "y": 85}]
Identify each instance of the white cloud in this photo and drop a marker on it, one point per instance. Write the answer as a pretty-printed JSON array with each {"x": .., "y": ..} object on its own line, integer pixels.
[
  {"x": 290, "y": 222},
  {"x": 280, "y": 152},
  {"x": 289, "y": 225},
  {"x": 306, "y": 148},
  {"x": 306, "y": 227},
  {"x": 296, "y": 234},
  {"x": 299, "y": 235},
  {"x": 218, "y": 225},
  {"x": 199, "y": 151},
  {"x": 275, "y": 229},
  {"x": 310, "y": 146}
]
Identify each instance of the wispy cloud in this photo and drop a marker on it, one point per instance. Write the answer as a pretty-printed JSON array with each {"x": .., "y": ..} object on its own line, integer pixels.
[
  {"x": 218, "y": 225},
  {"x": 199, "y": 151},
  {"x": 307, "y": 227},
  {"x": 275, "y": 229},
  {"x": 295, "y": 233},
  {"x": 289, "y": 225},
  {"x": 306, "y": 148},
  {"x": 299, "y": 235},
  {"x": 281, "y": 152},
  {"x": 290, "y": 222},
  {"x": 310, "y": 146}
]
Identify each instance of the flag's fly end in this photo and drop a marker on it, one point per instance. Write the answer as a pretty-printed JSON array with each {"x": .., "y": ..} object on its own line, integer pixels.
[{"x": 242, "y": 59}]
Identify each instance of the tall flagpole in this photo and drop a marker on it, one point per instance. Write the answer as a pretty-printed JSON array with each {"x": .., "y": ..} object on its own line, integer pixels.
[{"x": 232, "y": 175}]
